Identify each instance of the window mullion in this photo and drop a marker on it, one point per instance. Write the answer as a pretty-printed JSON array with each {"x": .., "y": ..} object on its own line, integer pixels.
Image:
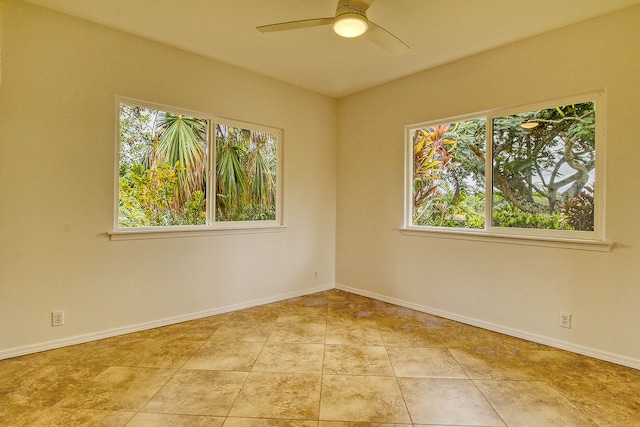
[
  {"x": 488, "y": 174},
  {"x": 211, "y": 174}
]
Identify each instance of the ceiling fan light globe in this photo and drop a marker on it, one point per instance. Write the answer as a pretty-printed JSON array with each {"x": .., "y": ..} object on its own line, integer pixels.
[{"x": 350, "y": 25}]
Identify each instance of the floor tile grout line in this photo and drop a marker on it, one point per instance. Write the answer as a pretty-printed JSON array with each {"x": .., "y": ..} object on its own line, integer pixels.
[
  {"x": 578, "y": 407},
  {"x": 488, "y": 401},
  {"x": 404, "y": 399},
  {"x": 246, "y": 378},
  {"x": 466, "y": 372},
  {"x": 324, "y": 352},
  {"x": 180, "y": 368}
]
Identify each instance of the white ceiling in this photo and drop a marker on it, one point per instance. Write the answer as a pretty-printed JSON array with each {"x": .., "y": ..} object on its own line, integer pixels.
[{"x": 437, "y": 31}]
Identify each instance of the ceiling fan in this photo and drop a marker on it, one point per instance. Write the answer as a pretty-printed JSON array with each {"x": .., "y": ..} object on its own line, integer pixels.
[{"x": 349, "y": 21}]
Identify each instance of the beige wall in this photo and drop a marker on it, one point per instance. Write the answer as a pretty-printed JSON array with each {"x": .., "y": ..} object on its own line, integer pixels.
[
  {"x": 60, "y": 77},
  {"x": 516, "y": 289}
]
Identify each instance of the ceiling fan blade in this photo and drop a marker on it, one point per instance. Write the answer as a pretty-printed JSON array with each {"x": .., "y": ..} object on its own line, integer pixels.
[
  {"x": 386, "y": 40},
  {"x": 361, "y": 5},
  {"x": 294, "y": 25}
]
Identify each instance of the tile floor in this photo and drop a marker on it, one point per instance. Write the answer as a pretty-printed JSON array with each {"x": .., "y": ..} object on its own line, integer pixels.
[{"x": 330, "y": 359}]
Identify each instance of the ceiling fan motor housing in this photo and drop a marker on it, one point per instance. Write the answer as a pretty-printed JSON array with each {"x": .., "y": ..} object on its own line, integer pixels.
[{"x": 350, "y": 21}]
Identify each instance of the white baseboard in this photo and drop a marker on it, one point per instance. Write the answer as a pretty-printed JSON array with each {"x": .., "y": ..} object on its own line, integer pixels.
[
  {"x": 80, "y": 339},
  {"x": 563, "y": 345},
  {"x": 552, "y": 342}
]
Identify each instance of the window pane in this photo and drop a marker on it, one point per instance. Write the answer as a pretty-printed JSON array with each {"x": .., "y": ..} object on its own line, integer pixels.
[
  {"x": 544, "y": 168},
  {"x": 163, "y": 163},
  {"x": 246, "y": 165},
  {"x": 448, "y": 185}
]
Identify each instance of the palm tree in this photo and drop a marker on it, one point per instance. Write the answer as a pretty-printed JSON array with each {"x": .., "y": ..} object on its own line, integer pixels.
[
  {"x": 263, "y": 186},
  {"x": 182, "y": 142},
  {"x": 245, "y": 183}
]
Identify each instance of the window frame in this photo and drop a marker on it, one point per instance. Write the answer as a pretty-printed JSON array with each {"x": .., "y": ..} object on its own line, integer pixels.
[
  {"x": 212, "y": 226},
  {"x": 536, "y": 237}
]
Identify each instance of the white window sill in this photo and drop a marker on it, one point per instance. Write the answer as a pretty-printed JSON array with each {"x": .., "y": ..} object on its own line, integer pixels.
[
  {"x": 171, "y": 233},
  {"x": 483, "y": 236}
]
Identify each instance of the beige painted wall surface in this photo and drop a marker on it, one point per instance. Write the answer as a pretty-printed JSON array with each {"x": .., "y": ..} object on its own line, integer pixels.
[
  {"x": 517, "y": 288},
  {"x": 60, "y": 77}
]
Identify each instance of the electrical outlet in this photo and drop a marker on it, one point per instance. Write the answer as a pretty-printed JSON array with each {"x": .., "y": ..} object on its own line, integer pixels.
[
  {"x": 57, "y": 318},
  {"x": 565, "y": 320},
  {"x": 315, "y": 275}
]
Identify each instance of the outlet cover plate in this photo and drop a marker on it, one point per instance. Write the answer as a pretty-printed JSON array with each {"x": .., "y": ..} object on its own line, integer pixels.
[
  {"x": 57, "y": 318},
  {"x": 565, "y": 320}
]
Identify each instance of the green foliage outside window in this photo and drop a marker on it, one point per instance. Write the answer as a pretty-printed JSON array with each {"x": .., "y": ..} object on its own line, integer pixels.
[
  {"x": 164, "y": 166},
  {"x": 448, "y": 175},
  {"x": 163, "y": 160},
  {"x": 543, "y": 170},
  {"x": 246, "y": 174}
]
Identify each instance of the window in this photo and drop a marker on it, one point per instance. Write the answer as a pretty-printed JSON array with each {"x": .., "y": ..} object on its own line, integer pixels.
[
  {"x": 523, "y": 172},
  {"x": 181, "y": 170}
]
